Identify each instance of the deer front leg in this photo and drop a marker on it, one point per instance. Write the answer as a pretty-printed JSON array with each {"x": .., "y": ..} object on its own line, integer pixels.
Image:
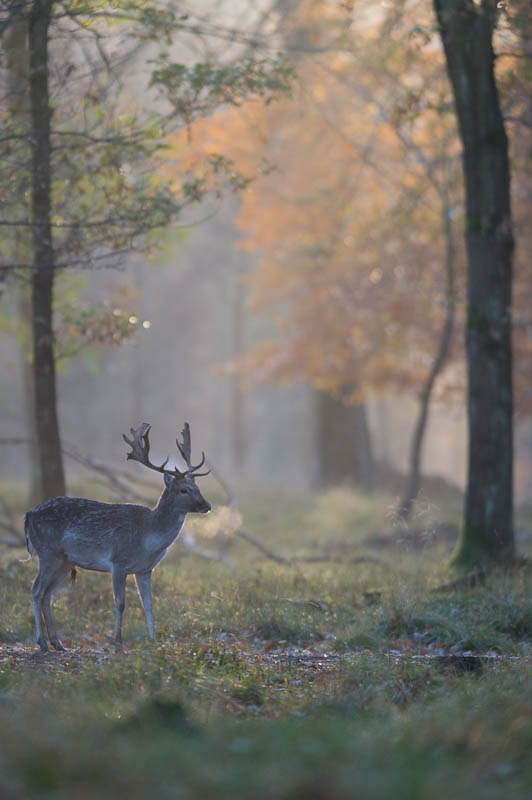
[
  {"x": 119, "y": 589},
  {"x": 144, "y": 589}
]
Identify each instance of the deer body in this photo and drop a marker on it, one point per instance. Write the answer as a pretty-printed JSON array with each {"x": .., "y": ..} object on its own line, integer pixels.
[{"x": 123, "y": 539}]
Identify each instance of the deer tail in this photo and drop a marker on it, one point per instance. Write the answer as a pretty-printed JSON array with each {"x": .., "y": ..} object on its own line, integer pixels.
[
  {"x": 27, "y": 530},
  {"x": 73, "y": 575}
]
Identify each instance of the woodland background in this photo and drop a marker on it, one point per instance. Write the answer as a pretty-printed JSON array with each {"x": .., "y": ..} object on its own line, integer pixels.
[
  {"x": 323, "y": 280},
  {"x": 251, "y": 216}
]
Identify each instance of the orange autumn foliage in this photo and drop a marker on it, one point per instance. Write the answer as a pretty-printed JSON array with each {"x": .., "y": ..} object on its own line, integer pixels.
[{"x": 353, "y": 176}]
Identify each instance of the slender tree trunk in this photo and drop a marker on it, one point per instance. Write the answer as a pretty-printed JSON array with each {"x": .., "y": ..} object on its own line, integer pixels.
[
  {"x": 46, "y": 422},
  {"x": 15, "y": 45},
  {"x": 35, "y": 493},
  {"x": 237, "y": 395},
  {"x": 467, "y": 29},
  {"x": 414, "y": 476},
  {"x": 344, "y": 444}
]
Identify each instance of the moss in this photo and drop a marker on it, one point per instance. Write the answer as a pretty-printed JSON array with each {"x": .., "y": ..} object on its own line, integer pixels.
[
  {"x": 473, "y": 224},
  {"x": 475, "y": 550},
  {"x": 476, "y": 321}
]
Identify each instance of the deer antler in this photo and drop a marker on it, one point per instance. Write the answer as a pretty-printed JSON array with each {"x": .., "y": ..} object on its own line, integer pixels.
[
  {"x": 185, "y": 450},
  {"x": 140, "y": 450}
]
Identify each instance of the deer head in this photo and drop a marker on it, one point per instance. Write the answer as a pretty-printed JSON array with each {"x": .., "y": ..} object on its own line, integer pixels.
[{"x": 181, "y": 486}]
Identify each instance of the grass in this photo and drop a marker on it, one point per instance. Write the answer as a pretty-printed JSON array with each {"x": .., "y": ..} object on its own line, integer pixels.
[{"x": 307, "y": 680}]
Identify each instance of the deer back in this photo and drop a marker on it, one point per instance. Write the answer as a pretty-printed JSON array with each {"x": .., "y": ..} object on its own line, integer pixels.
[{"x": 90, "y": 534}]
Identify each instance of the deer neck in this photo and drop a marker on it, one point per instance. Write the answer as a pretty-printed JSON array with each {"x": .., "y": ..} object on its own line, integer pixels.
[{"x": 166, "y": 520}]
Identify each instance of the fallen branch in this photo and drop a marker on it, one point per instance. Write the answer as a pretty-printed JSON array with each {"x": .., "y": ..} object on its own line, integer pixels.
[
  {"x": 323, "y": 558},
  {"x": 248, "y": 537},
  {"x": 241, "y": 532},
  {"x": 273, "y": 556}
]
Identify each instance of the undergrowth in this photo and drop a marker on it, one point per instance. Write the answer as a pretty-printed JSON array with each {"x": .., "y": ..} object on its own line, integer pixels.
[{"x": 335, "y": 679}]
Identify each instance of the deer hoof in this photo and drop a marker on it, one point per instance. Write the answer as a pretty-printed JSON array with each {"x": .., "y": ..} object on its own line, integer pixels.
[
  {"x": 43, "y": 644},
  {"x": 57, "y": 645}
]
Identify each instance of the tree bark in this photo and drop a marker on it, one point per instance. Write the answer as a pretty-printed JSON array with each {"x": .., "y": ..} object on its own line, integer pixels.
[
  {"x": 343, "y": 443},
  {"x": 46, "y": 421},
  {"x": 467, "y": 30},
  {"x": 414, "y": 476}
]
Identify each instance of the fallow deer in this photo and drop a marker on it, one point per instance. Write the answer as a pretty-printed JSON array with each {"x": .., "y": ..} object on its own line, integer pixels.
[{"x": 123, "y": 539}]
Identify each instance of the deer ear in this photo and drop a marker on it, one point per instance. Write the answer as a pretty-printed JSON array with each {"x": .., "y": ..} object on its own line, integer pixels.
[{"x": 168, "y": 479}]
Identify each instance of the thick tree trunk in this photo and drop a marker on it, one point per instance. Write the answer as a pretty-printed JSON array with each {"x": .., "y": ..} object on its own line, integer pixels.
[
  {"x": 467, "y": 30},
  {"x": 414, "y": 476},
  {"x": 46, "y": 422},
  {"x": 344, "y": 444}
]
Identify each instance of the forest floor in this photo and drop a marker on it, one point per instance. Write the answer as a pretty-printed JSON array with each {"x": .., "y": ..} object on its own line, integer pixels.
[{"x": 361, "y": 673}]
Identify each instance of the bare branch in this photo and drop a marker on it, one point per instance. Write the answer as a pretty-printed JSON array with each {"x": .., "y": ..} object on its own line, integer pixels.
[
  {"x": 111, "y": 476},
  {"x": 10, "y": 526}
]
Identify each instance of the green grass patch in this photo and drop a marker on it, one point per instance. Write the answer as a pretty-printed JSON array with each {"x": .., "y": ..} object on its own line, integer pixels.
[{"x": 275, "y": 681}]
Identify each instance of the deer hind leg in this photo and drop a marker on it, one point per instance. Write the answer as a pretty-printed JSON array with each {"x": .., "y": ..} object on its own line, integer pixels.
[
  {"x": 144, "y": 589},
  {"x": 58, "y": 576},
  {"x": 119, "y": 589},
  {"x": 45, "y": 576},
  {"x": 37, "y": 593}
]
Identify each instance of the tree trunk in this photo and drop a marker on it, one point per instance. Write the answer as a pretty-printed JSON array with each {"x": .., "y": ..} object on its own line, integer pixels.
[
  {"x": 15, "y": 45},
  {"x": 414, "y": 477},
  {"x": 35, "y": 493},
  {"x": 237, "y": 395},
  {"x": 46, "y": 422},
  {"x": 467, "y": 29},
  {"x": 344, "y": 444}
]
